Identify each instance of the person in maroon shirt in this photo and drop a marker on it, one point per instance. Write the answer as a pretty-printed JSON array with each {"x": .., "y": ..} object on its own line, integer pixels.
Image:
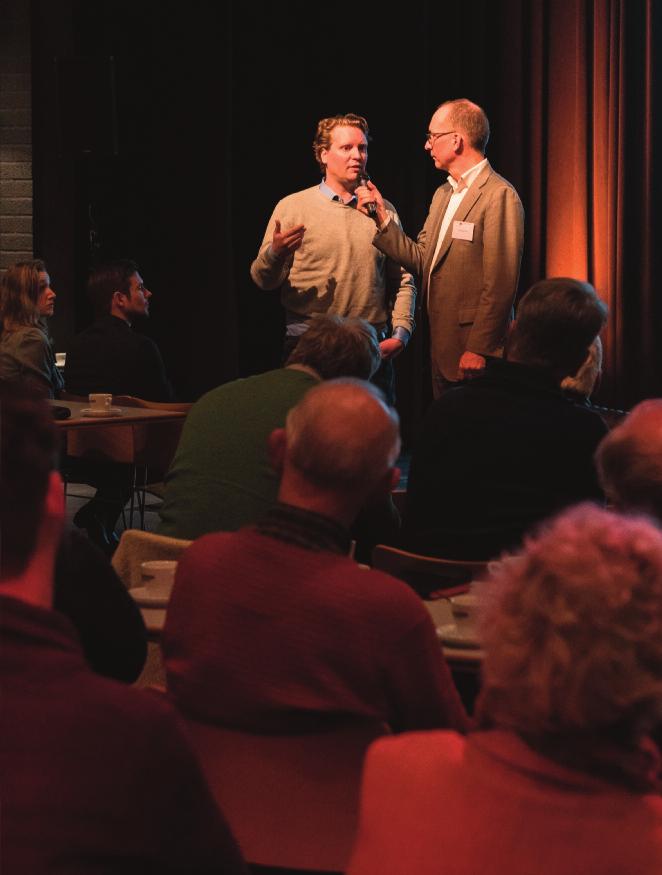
[
  {"x": 96, "y": 777},
  {"x": 563, "y": 774},
  {"x": 274, "y": 628}
]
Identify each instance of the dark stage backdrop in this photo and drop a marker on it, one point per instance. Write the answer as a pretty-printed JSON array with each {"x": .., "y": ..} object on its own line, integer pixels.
[{"x": 167, "y": 131}]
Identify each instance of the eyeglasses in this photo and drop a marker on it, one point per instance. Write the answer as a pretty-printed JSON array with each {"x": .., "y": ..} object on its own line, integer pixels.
[{"x": 430, "y": 137}]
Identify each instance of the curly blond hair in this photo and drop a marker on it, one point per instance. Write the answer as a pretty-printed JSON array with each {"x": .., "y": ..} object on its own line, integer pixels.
[
  {"x": 325, "y": 126},
  {"x": 572, "y": 628}
]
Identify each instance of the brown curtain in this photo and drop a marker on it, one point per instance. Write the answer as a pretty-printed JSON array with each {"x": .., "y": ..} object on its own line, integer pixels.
[{"x": 593, "y": 138}]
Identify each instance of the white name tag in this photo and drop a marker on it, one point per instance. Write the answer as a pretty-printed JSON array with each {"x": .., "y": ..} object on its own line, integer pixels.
[{"x": 463, "y": 231}]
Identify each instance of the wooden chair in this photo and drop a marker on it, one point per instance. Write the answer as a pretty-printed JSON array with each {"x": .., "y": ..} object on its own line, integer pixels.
[
  {"x": 137, "y": 546},
  {"x": 429, "y": 576},
  {"x": 291, "y": 801}
]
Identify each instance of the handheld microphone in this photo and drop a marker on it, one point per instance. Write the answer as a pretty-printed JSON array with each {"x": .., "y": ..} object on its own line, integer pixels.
[{"x": 371, "y": 208}]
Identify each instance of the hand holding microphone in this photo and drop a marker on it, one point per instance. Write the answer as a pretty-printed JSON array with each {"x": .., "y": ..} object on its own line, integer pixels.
[
  {"x": 370, "y": 206},
  {"x": 370, "y": 200}
]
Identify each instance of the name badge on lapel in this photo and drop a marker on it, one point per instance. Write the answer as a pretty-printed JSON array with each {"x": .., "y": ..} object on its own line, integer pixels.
[{"x": 463, "y": 231}]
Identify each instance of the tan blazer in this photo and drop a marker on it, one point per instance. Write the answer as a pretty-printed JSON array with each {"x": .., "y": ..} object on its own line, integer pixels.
[{"x": 469, "y": 291}]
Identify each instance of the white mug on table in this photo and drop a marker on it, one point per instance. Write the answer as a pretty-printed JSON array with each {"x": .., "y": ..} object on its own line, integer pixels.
[{"x": 100, "y": 401}]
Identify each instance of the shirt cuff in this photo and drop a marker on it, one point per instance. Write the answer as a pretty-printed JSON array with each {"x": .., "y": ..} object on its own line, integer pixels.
[
  {"x": 401, "y": 334},
  {"x": 272, "y": 258},
  {"x": 385, "y": 223}
]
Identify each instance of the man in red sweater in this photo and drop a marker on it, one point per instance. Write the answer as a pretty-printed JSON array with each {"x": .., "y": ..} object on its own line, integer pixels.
[
  {"x": 96, "y": 777},
  {"x": 274, "y": 628}
]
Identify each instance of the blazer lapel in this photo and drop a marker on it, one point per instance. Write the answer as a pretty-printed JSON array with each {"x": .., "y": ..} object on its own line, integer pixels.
[
  {"x": 462, "y": 211},
  {"x": 437, "y": 226}
]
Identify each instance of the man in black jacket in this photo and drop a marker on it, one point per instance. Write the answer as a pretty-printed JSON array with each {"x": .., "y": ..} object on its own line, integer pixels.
[
  {"x": 108, "y": 356},
  {"x": 507, "y": 449}
]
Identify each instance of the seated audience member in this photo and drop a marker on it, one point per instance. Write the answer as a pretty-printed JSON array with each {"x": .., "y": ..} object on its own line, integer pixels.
[
  {"x": 109, "y": 356},
  {"x": 274, "y": 628},
  {"x": 507, "y": 449},
  {"x": 562, "y": 775},
  {"x": 221, "y": 478},
  {"x": 26, "y": 354},
  {"x": 629, "y": 461},
  {"x": 96, "y": 777}
]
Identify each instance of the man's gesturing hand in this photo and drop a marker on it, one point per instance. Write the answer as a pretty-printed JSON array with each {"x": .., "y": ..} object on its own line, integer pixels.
[{"x": 284, "y": 243}]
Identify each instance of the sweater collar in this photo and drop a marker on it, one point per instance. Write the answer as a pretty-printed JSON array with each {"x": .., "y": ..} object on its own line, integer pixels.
[{"x": 306, "y": 529}]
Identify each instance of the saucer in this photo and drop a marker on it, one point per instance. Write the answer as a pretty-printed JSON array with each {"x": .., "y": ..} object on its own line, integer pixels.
[
  {"x": 101, "y": 414},
  {"x": 146, "y": 597},
  {"x": 450, "y": 634}
]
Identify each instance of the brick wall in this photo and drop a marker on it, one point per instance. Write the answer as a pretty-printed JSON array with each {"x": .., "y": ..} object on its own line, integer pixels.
[{"x": 15, "y": 134}]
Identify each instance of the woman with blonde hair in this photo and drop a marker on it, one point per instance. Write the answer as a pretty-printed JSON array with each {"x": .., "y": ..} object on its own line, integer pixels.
[
  {"x": 26, "y": 355},
  {"x": 562, "y": 774}
]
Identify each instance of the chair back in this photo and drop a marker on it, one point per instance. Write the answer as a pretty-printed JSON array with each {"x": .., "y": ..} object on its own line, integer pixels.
[
  {"x": 137, "y": 546},
  {"x": 430, "y": 576},
  {"x": 291, "y": 801}
]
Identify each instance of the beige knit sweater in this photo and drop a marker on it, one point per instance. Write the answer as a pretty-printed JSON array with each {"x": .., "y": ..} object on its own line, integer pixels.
[{"x": 337, "y": 269}]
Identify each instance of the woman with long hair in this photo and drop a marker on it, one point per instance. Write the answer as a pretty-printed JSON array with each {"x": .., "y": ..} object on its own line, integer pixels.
[{"x": 26, "y": 355}]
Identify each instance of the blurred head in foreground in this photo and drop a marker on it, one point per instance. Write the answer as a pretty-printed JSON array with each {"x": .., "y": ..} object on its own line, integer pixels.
[
  {"x": 629, "y": 460},
  {"x": 572, "y": 630},
  {"x": 31, "y": 496}
]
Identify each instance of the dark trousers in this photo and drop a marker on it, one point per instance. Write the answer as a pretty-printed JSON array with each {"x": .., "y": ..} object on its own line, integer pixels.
[{"x": 113, "y": 482}]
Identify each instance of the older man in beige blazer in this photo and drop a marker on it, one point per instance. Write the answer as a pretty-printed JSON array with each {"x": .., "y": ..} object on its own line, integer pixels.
[{"x": 468, "y": 253}]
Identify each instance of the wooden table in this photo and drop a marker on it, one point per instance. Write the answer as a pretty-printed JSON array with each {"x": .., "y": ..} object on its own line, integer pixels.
[
  {"x": 143, "y": 437},
  {"x": 129, "y": 416}
]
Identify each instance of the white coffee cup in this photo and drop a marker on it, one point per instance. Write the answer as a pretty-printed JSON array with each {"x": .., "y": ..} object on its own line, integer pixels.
[
  {"x": 100, "y": 400},
  {"x": 465, "y": 610},
  {"x": 158, "y": 576}
]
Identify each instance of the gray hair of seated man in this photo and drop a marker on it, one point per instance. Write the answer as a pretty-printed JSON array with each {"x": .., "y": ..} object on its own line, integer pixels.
[
  {"x": 337, "y": 347},
  {"x": 343, "y": 436},
  {"x": 556, "y": 322}
]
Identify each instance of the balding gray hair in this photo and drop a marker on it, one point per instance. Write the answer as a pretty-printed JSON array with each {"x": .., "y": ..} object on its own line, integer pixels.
[
  {"x": 343, "y": 436},
  {"x": 470, "y": 119}
]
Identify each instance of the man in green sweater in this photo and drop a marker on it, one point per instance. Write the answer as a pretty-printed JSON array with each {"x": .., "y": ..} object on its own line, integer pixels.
[
  {"x": 318, "y": 250},
  {"x": 220, "y": 478}
]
